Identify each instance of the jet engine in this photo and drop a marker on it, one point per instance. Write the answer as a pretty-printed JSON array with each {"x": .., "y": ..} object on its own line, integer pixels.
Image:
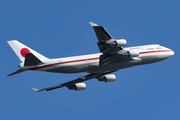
[
  {"x": 78, "y": 86},
  {"x": 118, "y": 43},
  {"x": 108, "y": 78},
  {"x": 131, "y": 53}
]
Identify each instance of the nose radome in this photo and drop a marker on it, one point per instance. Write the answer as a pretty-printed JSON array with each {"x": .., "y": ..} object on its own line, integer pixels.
[{"x": 170, "y": 53}]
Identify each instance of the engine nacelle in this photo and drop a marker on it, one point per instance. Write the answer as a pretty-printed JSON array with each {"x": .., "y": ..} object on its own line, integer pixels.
[
  {"x": 108, "y": 78},
  {"x": 118, "y": 43},
  {"x": 78, "y": 86},
  {"x": 131, "y": 53}
]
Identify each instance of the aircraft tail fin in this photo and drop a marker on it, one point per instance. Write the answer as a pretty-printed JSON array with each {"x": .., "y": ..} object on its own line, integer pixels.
[{"x": 21, "y": 50}]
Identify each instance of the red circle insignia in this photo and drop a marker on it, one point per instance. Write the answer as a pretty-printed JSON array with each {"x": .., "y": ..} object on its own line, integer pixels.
[
  {"x": 103, "y": 38},
  {"x": 24, "y": 51}
]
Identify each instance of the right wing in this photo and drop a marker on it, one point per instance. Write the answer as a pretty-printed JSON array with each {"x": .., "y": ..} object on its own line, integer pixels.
[
  {"x": 105, "y": 41},
  {"x": 101, "y": 33},
  {"x": 104, "y": 38}
]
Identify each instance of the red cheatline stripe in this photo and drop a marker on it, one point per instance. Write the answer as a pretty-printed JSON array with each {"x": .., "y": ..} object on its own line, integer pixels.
[
  {"x": 156, "y": 51},
  {"x": 35, "y": 68},
  {"x": 63, "y": 63}
]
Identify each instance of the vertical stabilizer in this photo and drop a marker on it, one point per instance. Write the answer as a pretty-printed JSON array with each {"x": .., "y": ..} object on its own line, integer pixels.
[{"x": 21, "y": 50}]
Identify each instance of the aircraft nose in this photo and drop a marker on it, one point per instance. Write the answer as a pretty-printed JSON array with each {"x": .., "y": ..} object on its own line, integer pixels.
[{"x": 170, "y": 53}]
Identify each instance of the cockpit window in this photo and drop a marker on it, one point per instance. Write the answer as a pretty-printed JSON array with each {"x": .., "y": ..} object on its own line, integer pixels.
[
  {"x": 154, "y": 48},
  {"x": 150, "y": 49},
  {"x": 159, "y": 47}
]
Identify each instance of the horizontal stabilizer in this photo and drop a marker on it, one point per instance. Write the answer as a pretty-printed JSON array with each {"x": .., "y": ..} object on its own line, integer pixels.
[
  {"x": 16, "y": 72},
  {"x": 31, "y": 60}
]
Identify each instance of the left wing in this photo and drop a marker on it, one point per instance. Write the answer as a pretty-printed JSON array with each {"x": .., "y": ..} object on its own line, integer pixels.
[{"x": 72, "y": 84}]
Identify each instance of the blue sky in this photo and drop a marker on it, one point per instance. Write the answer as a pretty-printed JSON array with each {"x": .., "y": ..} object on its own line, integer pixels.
[{"x": 60, "y": 29}]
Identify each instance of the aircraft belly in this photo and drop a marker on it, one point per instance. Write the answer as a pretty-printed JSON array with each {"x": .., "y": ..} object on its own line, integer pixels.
[
  {"x": 144, "y": 59},
  {"x": 70, "y": 68},
  {"x": 111, "y": 67},
  {"x": 152, "y": 58}
]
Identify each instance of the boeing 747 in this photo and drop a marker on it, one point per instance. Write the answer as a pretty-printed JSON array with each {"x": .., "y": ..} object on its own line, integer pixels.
[{"x": 113, "y": 57}]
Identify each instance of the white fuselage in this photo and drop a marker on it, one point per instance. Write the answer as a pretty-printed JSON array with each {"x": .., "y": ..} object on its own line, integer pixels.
[{"x": 90, "y": 63}]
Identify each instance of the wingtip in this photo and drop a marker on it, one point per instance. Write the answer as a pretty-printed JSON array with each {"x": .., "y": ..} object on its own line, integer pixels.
[
  {"x": 10, "y": 41},
  {"x": 36, "y": 90},
  {"x": 93, "y": 24}
]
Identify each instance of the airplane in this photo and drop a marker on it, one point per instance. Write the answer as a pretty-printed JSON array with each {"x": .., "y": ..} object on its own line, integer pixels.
[{"x": 113, "y": 57}]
